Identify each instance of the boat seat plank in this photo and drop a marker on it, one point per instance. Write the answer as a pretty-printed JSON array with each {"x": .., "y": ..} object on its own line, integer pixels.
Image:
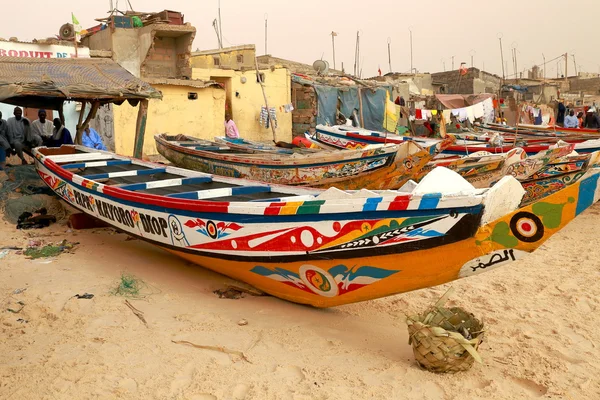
[
  {"x": 163, "y": 191},
  {"x": 112, "y": 168},
  {"x": 93, "y": 164},
  {"x": 165, "y": 183},
  {"x": 286, "y": 198},
  {"x": 110, "y": 175},
  {"x": 62, "y": 158},
  {"x": 223, "y": 192}
]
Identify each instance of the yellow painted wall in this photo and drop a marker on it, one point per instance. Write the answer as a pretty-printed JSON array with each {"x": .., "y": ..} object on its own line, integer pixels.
[
  {"x": 174, "y": 114},
  {"x": 228, "y": 59},
  {"x": 245, "y": 108}
]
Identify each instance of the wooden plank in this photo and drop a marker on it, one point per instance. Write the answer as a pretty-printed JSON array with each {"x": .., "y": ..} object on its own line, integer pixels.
[
  {"x": 61, "y": 158},
  {"x": 221, "y": 192},
  {"x": 120, "y": 174},
  {"x": 165, "y": 183},
  {"x": 94, "y": 164},
  {"x": 140, "y": 128}
]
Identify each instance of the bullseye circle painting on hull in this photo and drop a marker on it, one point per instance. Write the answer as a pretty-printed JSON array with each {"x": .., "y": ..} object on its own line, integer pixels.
[
  {"x": 318, "y": 280},
  {"x": 527, "y": 227},
  {"x": 211, "y": 229}
]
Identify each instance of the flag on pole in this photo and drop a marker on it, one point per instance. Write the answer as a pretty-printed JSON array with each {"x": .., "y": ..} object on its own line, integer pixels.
[{"x": 76, "y": 27}]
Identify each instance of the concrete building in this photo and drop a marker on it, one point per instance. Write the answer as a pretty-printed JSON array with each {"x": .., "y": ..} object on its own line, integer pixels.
[
  {"x": 236, "y": 58},
  {"x": 160, "y": 54},
  {"x": 474, "y": 81},
  {"x": 236, "y": 73}
]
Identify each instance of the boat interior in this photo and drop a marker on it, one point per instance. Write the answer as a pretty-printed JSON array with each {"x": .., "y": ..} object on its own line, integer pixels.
[{"x": 163, "y": 180}]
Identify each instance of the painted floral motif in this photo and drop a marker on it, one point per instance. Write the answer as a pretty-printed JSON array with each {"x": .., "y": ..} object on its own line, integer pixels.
[
  {"x": 336, "y": 281},
  {"x": 211, "y": 229}
]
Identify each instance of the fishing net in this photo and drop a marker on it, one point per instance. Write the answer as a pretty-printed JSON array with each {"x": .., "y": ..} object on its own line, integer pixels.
[
  {"x": 445, "y": 339},
  {"x": 22, "y": 190}
]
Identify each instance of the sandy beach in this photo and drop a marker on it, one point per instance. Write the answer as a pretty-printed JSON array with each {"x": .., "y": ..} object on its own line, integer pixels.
[{"x": 541, "y": 314}]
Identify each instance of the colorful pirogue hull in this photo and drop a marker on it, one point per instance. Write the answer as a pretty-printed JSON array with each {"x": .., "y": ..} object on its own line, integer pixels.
[
  {"x": 323, "y": 248},
  {"x": 342, "y": 137},
  {"x": 382, "y": 167}
]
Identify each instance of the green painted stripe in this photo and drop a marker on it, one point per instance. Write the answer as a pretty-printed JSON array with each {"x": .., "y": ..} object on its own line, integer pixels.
[{"x": 310, "y": 207}]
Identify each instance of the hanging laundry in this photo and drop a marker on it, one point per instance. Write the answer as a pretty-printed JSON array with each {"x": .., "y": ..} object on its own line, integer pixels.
[
  {"x": 418, "y": 114},
  {"x": 390, "y": 120},
  {"x": 462, "y": 114},
  {"x": 478, "y": 110},
  {"x": 264, "y": 117},
  {"x": 455, "y": 112},
  {"x": 471, "y": 114},
  {"x": 433, "y": 112},
  {"x": 447, "y": 114},
  {"x": 273, "y": 116},
  {"x": 288, "y": 108}
]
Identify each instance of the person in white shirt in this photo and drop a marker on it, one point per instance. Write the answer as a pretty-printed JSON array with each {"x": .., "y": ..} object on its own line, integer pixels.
[
  {"x": 571, "y": 120},
  {"x": 41, "y": 129}
]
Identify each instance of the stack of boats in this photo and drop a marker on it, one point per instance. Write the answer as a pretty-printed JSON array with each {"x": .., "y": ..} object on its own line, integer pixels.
[{"x": 361, "y": 216}]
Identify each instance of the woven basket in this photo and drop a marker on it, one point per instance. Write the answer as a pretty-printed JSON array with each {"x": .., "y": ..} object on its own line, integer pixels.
[{"x": 445, "y": 339}]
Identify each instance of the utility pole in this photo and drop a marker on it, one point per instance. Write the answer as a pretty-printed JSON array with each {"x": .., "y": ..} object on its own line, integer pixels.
[
  {"x": 389, "y": 42},
  {"x": 220, "y": 26},
  {"x": 443, "y": 63},
  {"x": 452, "y": 63},
  {"x": 544, "y": 57},
  {"x": 574, "y": 64},
  {"x": 411, "y": 51},
  {"x": 473, "y": 52},
  {"x": 333, "y": 35},
  {"x": 566, "y": 65},
  {"x": 266, "y": 32},
  {"x": 356, "y": 55},
  {"x": 502, "y": 57}
]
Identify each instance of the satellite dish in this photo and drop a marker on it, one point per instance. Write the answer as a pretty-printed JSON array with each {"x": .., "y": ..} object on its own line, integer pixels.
[
  {"x": 321, "y": 66},
  {"x": 66, "y": 32}
]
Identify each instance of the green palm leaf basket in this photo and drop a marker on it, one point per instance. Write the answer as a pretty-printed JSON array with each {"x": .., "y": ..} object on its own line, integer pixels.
[{"x": 445, "y": 339}]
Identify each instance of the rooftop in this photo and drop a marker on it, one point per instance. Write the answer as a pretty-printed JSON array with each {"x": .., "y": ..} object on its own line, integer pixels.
[{"x": 46, "y": 82}]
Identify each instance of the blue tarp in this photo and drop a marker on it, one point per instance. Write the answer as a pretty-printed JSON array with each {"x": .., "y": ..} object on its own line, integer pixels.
[
  {"x": 327, "y": 99},
  {"x": 373, "y": 103},
  {"x": 349, "y": 101}
]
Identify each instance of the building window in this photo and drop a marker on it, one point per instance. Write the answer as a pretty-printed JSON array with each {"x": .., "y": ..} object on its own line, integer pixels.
[
  {"x": 240, "y": 58},
  {"x": 260, "y": 77},
  {"x": 216, "y": 61},
  {"x": 192, "y": 96}
]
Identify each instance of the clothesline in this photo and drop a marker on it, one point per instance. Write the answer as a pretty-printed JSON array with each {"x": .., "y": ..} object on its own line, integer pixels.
[{"x": 484, "y": 110}]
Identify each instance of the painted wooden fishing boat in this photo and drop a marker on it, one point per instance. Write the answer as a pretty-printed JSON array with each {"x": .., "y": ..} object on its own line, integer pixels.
[
  {"x": 342, "y": 136},
  {"x": 323, "y": 248},
  {"x": 558, "y": 175},
  {"x": 541, "y": 128},
  {"x": 248, "y": 146},
  {"x": 356, "y": 169}
]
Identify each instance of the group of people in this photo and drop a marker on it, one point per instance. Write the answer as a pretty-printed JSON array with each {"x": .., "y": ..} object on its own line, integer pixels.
[
  {"x": 18, "y": 135},
  {"x": 588, "y": 120}
]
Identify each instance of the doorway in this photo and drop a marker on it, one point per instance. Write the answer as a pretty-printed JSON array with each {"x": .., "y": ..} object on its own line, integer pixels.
[
  {"x": 32, "y": 114},
  {"x": 226, "y": 82}
]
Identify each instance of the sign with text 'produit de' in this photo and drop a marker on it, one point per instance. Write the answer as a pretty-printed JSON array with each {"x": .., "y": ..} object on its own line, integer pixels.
[{"x": 40, "y": 50}]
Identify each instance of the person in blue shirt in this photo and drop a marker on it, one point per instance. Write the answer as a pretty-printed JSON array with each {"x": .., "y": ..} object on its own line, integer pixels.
[
  {"x": 92, "y": 139},
  {"x": 571, "y": 120},
  {"x": 60, "y": 135}
]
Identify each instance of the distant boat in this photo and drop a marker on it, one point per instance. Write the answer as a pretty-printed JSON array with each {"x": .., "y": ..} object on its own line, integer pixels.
[
  {"x": 373, "y": 168},
  {"x": 323, "y": 248}
]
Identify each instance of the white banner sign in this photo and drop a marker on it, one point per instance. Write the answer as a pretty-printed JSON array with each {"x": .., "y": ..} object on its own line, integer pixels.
[{"x": 38, "y": 50}]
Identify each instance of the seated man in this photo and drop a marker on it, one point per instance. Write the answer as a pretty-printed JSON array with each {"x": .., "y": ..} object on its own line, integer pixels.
[
  {"x": 4, "y": 144},
  {"x": 41, "y": 129},
  {"x": 60, "y": 135},
  {"x": 19, "y": 134},
  {"x": 90, "y": 138}
]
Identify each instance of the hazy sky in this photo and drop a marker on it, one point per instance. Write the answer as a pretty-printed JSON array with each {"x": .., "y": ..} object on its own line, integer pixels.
[{"x": 300, "y": 30}]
